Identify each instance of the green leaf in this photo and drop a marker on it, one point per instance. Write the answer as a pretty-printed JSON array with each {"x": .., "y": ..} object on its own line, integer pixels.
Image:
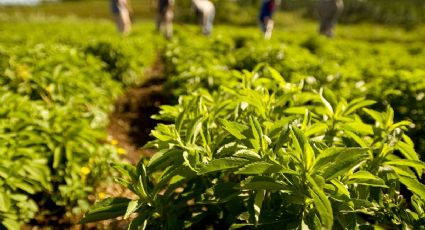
[
  {"x": 164, "y": 158},
  {"x": 276, "y": 76},
  {"x": 283, "y": 138},
  {"x": 366, "y": 178},
  {"x": 140, "y": 222},
  {"x": 265, "y": 183},
  {"x": 318, "y": 128},
  {"x": 222, "y": 164},
  {"x": 338, "y": 190},
  {"x": 29, "y": 188},
  {"x": 389, "y": 118},
  {"x": 413, "y": 185},
  {"x": 358, "y": 127},
  {"x": 106, "y": 209},
  {"x": 247, "y": 154},
  {"x": 403, "y": 171},
  {"x": 306, "y": 120},
  {"x": 356, "y": 138},
  {"x": 377, "y": 116},
  {"x": 301, "y": 110},
  {"x": 256, "y": 135},
  {"x": 303, "y": 147},
  {"x": 345, "y": 161},
  {"x": 356, "y": 104},
  {"x": 5, "y": 202},
  {"x": 326, "y": 103},
  {"x": 229, "y": 149},
  {"x": 11, "y": 224},
  {"x": 321, "y": 203},
  {"x": 400, "y": 124},
  {"x": 57, "y": 157},
  {"x": 329, "y": 156},
  {"x": 127, "y": 170},
  {"x": 234, "y": 128},
  {"x": 409, "y": 163},
  {"x": 258, "y": 204},
  {"x": 258, "y": 168},
  {"x": 407, "y": 150},
  {"x": 165, "y": 133},
  {"x": 132, "y": 207},
  {"x": 193, "y": 130},
  {"x": 418, "y": 165},
  {"x": 311, "y": 221}
]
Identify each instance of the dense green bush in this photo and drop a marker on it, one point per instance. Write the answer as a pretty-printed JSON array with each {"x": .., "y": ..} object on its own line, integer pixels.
[
  {"x": 262, "y": 153},
  {"x": 295, "y": 146},
  {"x": 388, "y": 72},
  {"x": 55, "y": 96},
  {"x": 52, "y": 122}
]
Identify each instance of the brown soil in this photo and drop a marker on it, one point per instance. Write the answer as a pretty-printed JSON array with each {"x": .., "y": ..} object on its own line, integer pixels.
[{"x": 131, "y": 122}]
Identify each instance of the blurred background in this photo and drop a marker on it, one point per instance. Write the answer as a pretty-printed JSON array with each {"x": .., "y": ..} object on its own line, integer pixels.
[{"x": 405, "y": 13}]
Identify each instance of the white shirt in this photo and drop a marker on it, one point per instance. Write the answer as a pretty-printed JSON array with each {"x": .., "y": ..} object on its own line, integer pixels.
[{"x": 204, "y": 6}]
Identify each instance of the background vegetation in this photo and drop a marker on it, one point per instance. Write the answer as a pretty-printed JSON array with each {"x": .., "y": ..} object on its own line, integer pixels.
[{"x": 405, "y": 13}]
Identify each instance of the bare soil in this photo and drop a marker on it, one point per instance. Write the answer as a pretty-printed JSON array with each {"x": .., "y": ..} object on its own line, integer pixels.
[{"x": 131, "y": 122}]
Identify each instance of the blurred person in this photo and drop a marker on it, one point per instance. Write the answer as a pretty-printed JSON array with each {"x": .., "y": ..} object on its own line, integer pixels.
[
  {"x": 120, "y": 9},
  {"x": 267, "y": 10},
  {"x": 165, "y": 17},
  {"x": 329, "y": 11},
  {"x": 206, "y": 10}
]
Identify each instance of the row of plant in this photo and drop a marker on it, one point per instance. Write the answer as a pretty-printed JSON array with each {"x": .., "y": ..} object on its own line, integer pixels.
[
  {"x": 57, "y": 86},
  {"x": 294, "y": 146},
  {"x": 388, "y": 72}
]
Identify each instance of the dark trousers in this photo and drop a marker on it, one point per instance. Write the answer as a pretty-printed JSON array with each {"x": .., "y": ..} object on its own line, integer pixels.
[{"x": 329, "y": 12}]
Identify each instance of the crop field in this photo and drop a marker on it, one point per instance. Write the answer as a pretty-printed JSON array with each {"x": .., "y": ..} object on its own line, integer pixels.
[{"x": 296, "y": 132}]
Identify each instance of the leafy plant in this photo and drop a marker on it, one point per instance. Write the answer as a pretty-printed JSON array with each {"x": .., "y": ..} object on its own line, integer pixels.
[{"x": 270, "y": 154}]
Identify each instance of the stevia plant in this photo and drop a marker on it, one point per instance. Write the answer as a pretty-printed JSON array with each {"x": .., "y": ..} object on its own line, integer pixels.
[
  {"x": 388, "y": 72},
  {"x": 52, "y": 120},
  {"x": 271, "y": 154}
]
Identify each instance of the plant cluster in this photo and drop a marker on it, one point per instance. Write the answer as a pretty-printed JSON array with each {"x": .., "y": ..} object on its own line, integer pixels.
[
  {"x": 250, "y": 146},
  {"x": 55, "y": 96},
  {"x": 389, "y": 72}
]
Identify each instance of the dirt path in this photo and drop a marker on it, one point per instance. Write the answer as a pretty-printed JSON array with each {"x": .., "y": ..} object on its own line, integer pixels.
[{"x": 131, "y": 123}]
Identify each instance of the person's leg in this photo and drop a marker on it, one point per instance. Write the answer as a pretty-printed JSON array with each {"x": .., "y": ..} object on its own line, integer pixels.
[
  {"x": 269, "y": 28},
  {"x": 119, "y": 23},
  {"x": 126, "y": 21},
  {"x": 262, "y": 24},
  {"x": 321, "y": 8},
  {"x": 169, "y": 23},
  {"x": 205, "y": 23},
  {"x": 327, "y": 11},
  {"x": 158, "y": 21},
  {"x": 211, "y": 21},
  {"x": 337, "y": 11},
  {"x": 125, "y": 17}
]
